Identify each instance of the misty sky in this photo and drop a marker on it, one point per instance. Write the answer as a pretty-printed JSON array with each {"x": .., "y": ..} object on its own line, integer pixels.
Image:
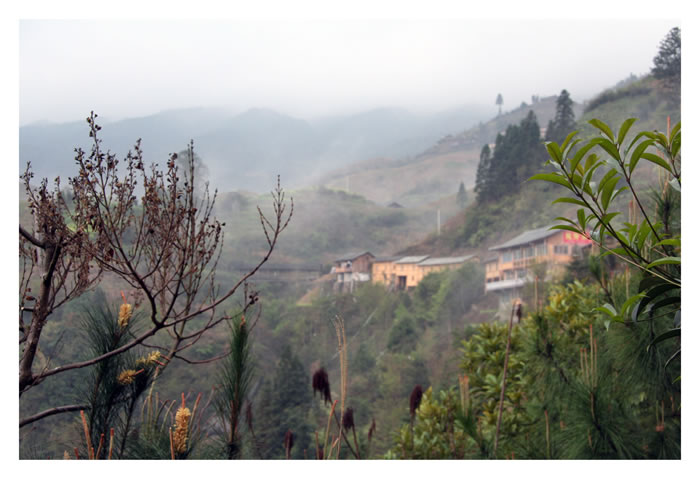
[{"x": 313, "y": 68}]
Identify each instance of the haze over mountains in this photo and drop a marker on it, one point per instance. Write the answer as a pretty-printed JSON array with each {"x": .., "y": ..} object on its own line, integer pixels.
[{"x": 247, "y": 151}]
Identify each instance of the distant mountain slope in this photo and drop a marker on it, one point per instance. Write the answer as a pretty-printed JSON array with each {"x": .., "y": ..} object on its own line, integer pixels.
[
  {"x": 440, "y": 167},
  {"x": 248, "y": 150},
  {"x": 480, "y": 226}
]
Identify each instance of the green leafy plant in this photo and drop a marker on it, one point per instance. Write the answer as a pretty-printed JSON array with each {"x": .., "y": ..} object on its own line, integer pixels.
[{"x": 650, "y": 244}]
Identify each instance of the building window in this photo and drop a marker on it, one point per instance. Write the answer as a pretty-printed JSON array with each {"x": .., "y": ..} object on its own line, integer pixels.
[
  {"x": 529, "y": 252},
  {"x": 517, "y": 254},
  {"x": 522, "y": 273},
  {"x": 561, "y": 249},
  {"x": 507, "y": 257},
  {"x": 541, "y": 249}
]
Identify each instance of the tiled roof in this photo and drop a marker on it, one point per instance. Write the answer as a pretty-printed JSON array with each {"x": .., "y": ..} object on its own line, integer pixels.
[
  {"x": 447, "y": 260},
  {"x": 352, "y": 256},
  {"x": 527, "y": 237},
  {"x": 386, "y": 259},
  {"x": 412, "y": 259}
]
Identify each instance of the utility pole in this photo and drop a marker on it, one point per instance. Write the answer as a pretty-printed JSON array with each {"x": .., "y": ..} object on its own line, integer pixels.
[{"x": 438, "y": 221}]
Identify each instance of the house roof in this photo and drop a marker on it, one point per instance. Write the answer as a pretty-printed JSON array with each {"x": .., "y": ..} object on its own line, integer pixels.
[
  {"x": 352, "y": 256},
  {"x": 527, "y": 237},
  {"x": 412, "y": 259},
  {"x": 447, "y": 260},
  {"x": 386, "y": 259},
  {"x": 490, "y": 259}
]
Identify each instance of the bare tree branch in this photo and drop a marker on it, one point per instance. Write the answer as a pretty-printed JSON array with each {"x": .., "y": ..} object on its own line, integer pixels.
[{"x": 51, "y": 412}]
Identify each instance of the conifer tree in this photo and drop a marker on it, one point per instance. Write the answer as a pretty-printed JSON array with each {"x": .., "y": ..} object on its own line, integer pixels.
[
  {"x": 482, "y": 172},
  {"x": 667, "y": 63},
  {"x": 462, "y": 195},
  {"x": 564, "y": 119}
]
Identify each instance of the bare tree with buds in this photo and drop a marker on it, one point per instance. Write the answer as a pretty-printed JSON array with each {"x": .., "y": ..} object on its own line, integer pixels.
[{"x": 165, "y": 245}]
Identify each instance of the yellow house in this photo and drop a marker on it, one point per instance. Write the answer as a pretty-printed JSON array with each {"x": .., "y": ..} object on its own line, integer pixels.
[
  {"x": 408, "y": 273},
  {"x": 383, "y": 270},
  {"x": 509, "y": 270},
  {"x": 404, "y": 272}
]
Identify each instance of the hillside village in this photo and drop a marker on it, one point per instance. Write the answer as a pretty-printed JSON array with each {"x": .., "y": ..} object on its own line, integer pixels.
[{"x": 507, "y": 270}]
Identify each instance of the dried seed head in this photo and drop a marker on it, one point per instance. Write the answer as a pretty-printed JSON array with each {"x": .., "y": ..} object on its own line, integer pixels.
[
  {"x": 125, "y": 311},
  {"x": 348, "y": 419},
  {"x": 320, "y": 383},
  {"x": 127, "y": 377},
  {"x": 416, "y": 396},
  {"x": 182, "y": 419},
  {"x": 150, "y": 359},
  {"x": 66, "y": 455}
]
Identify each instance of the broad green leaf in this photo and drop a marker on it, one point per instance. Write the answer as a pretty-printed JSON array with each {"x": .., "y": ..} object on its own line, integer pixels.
[
  {"x": 609, "y": 147},
  {"x": 654, "y": 293},
  {"x": 669, "y": 242},
  {"x": 608, "y": 309},
  {"x": 630, "y": 301},
  {"x": 608, "y": 191},
  {"x": 661, "y": 138},
  {"x": 573, "y": 201},
  {"x": 671, "y": 333},
  {"x": 590, "y": 171},
  {"x": 634, "y": 159},
  {"x": 576, "y": 180},
  {"x": 566, "y": 151},
  {"x": 554, "y": 151},
  {"x": 590, "y": 159},
  {"x": 565, "y": 227},
  {"x": 603, "y": 128},
  {"x": 670, "y": 301},
  {"x": 619, "y": 250},
  {"x": 676, "y": 145},
  {"x": 673, "y": 356},
  {"x": 667, "y": 260},
  {"x": 581, "y": 214},
  {"x": 657, "y": 160},
  {"x": 643, "y": 134},
  {"x": 617, "y": 192},
  {"x": 606, "y": 178},
  {"x": 675, "y": 130},
  {"x": 649, "y": 281},
  {"x": 561, "y": 218},
  {"x": 568, "y": 139},
  {"x": 552, "y": 178},
  {"x": 624, "y": 129},
  {"x": 580, "y": 154},
  {"x": 606, "y": 218},
  {"x": 642, "y": 234}
]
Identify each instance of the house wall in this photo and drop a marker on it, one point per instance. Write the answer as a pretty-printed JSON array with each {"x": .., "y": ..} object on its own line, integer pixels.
[
  {"x": 411, "y": 271},
  {"x": 383, "y": 272},
  {"x": 556, "y": 251},
  {"x": 361, "y": 264}
]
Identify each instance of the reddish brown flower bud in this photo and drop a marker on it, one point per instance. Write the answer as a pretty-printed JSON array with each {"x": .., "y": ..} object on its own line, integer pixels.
[
  {"x": 348, "y": 419},
  {"x": 416, "y": 396},
  {"x": 320, "y": 383}
]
